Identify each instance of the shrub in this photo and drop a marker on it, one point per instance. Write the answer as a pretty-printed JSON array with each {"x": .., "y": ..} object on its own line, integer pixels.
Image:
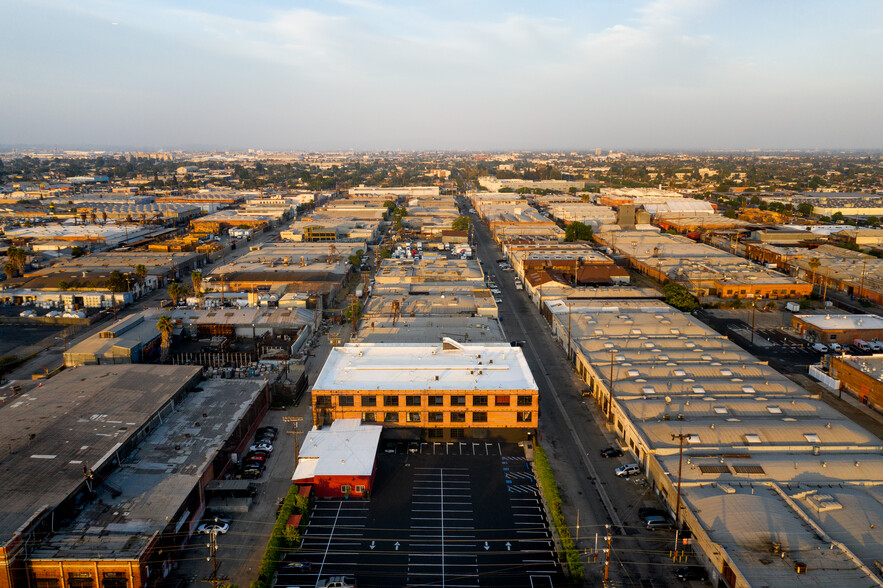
[{"x": 546, "y": 478}]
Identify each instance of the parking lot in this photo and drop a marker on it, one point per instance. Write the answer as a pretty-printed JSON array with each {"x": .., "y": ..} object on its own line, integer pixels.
[{"x": 460, "y": 515}]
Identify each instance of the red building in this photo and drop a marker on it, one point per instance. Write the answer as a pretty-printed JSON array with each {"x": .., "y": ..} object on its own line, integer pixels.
[{"x": 339, "y": 460}]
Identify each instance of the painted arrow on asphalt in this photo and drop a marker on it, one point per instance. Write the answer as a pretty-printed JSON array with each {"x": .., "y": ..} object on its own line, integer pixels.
[
  {"x": 397, "y": 545},
  {"x": 508, "y": 546},
  {"x": 372, "y": 545},
  {"x": 486, "y": 546}
]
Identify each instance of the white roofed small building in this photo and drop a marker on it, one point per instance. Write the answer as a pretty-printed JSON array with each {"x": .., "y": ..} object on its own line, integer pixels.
[{"x": 340, "y": 460}]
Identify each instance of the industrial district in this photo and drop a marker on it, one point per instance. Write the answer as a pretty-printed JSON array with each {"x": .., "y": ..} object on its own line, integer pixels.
[{"x": 441, "y": 369}]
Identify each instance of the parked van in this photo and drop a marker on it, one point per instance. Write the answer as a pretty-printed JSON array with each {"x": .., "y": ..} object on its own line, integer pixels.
[
  {"x": 819, "y": 347},
  {"x": 862, "y": 345},
  {"x": 835, "y": 347}
]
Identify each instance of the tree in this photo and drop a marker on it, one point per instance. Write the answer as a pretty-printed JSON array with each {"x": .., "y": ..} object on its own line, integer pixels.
[
  {"x": 196, "y": 278},
  {"x": 461, "y": 223},
  {"x": 577, "y": 231},
  {"x": 118, "y": 282},
  {"x": 63, "y": 285},
  {"x": 9, "y": 269},
  {"x": 837, "y": 216},
  {"x": 385, "y": 253},
  {"x": 805, "y": 208},
  {"x": 176, "y": 292},
  {"x": 356, "y": 258},
  {"x": 873, "y": 221},
  {"x": 814, "y": 264},
  {"x": 755, "y": 200},
  {"x": 730, "y": 213},
  {"x": 140, "y": 273},
  {"x": 678, "y": 296},
  {"x": 165, "y": 326},
  {"x": 77, "y": 251}
]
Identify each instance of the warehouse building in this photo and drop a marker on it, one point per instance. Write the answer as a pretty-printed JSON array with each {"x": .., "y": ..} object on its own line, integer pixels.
[
  {"x": 440, "y": 391},
  {"x": 112, "y": 501},
  {"x": 777, "y": 487}
]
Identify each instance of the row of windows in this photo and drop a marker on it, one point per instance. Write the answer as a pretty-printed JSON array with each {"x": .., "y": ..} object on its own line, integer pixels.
[
  {"x": 85, "y": 580},
  {"x": 366, "y": 401},
  {"x": 437, "y": 417}
]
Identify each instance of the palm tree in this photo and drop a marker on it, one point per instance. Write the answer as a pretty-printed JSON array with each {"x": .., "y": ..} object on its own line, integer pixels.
[
  {"x": 9, "y": 269},
  {"x": 165, "y": 327},
  {"x": 196, "y": 277},
  {"x": 176, "y": 291},
  {"x": 814, "y": 264}
]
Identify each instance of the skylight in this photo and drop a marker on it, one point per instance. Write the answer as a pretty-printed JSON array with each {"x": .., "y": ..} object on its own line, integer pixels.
[
  {"x": 752, "y": 438},
  {"x": 680, "y": 373},
  {"x": 748, "y": 389},
  {"x": 721, "y": 410},
  {"x": 774, "y": 410},
  {"x": 812, "y": 437},
  {"x": 726, "y": 372},
  {"x": 649, "y": 390},
  {"x": 698, "y": 390},
  {"x": 634, "y": 373},
  {"x": 693, "y": 438}
]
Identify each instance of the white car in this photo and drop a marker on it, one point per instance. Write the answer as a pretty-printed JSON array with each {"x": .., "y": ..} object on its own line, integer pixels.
[
  {"x": 261, "y": 447},
  {"x": 209, "y": 528},
  {"x": 498, "y": 300},
  {"x": 630, "y": 469},
  {"x": 819, "y": 347}
]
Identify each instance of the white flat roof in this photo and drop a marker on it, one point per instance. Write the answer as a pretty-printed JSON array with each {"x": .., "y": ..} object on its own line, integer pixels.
[
  {"x": 347, "y": 448},
  {"x": 849, "y": 322},
  {"x": 430, "y": 366}
]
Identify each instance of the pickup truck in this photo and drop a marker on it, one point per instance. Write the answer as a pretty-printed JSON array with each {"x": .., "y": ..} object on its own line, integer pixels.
[{"x": 337, "y": 582}]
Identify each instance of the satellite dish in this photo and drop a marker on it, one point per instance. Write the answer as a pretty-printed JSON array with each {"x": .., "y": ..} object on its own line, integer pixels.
[{"x": 668, "y": 399}]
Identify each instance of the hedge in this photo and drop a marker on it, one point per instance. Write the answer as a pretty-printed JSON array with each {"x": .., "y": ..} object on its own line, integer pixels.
[
  {"x": 293, "y": 504},
  {"x": 546, "y": 478}
]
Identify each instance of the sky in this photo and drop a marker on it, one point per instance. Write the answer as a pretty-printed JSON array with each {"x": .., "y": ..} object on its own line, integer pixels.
[{"x": 442, "y": 74}]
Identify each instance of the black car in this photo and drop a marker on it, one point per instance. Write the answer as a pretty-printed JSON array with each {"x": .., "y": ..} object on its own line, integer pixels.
[
  {"x": 690, "y": 573},
  {"x": 250, "y": 474},
  {"x": 611, "y": 452},
  {"x": 645, "y": 512},
  {"x": 268, "y": 429}
]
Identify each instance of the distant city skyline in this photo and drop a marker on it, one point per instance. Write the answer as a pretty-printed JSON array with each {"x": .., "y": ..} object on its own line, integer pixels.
[{"x": 447, "y": 75}]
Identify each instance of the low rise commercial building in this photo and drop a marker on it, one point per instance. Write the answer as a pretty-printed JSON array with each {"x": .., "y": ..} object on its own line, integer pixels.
[
  {"x": 774, "y": 481},
  {"x": 428, "y": 328},
  {"x": 340, "y": 460},
  {"x": 113, "y": 500},
  {"x": 861, "y": 376},
  {"x": 838, "y": 328},
  {"x": 704, "y": 270},
  {"x": 440, "y": 391}
]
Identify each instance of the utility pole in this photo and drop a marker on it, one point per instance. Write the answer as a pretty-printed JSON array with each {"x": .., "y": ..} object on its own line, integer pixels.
[
  {"x": 825, "y": 290},
  {"x": 861, "y": 289},
  {"x": 294, "y": 420},
  {"x": 214, "y": 579},
  {"x": 681, "y": 437},
  {"x": 607, "y": 556},
  {"x": 753, "y": 308},
  {"x": 568, "y": 330}
]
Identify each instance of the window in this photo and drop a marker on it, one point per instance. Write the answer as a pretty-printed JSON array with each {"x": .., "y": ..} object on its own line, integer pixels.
[
  {"x": 79, "y": 580},
  {"x": 525, "y": 401},
  {"x": 435, "y": 433},
  {"x": 458, "y": 417},
  {"x": 369, "y": 417},
  {"x": 412, "y": 401},
  {"x": 323, "y": 401},
  {"x": 457, "y": 433},
  {"x": 46, "y": 582},
  {"x": 413, "y": 417},
  {"x": 436, "y": 401},
  {"x": 115, "y": 580},
  {"x": 436, "y": 417},
  {"x": 347, "y": 400},
  {"x": 369, "y": 401},
  {"x": 479, "y": 401},
  {"x": 345, "y": 488},
  {"x": 524, "y": 417},
  {"x": 501, "y": 400},
  {"x": 391, "y": 417},
  {"x": 458, "y": 401},
  {"x": 390, "y": 401},
  {"x": 479, "y": 417},
  {"x": 360, "y": 489},
  {"x": 832, "y": 337}
]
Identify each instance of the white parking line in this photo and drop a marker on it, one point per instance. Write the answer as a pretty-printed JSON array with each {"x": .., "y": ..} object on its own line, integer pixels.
[{"x": 329, "y": 543}]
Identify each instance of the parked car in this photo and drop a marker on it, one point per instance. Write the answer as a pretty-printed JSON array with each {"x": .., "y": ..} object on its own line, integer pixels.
[
  {"x": 390, "y": 447},
  {"x": 835, "y": 347},
  {"x": 690, "y": 573},
  {"x": 630, "y": 469},
  {"x": 819, "y": 347},
  {"x": 265, "y": 440},
  {"x": 655, "y": 522},
  {"x": 337, "y": 582},
  {"x": 299, "y": 566},
  {"x": 218, "y": 527},
  {"x": 261, "y": 447},
  {"x": 498, "y": 300},
  {"x": 611, "y": 452},
  {"x": 645, "y": 512},
  {"x": 413, "y": 447},
  {"x": 251, "y": 473}
]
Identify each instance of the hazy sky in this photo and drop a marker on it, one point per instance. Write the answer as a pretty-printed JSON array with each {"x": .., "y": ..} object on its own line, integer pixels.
[{"x": 442, "y": 74}]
